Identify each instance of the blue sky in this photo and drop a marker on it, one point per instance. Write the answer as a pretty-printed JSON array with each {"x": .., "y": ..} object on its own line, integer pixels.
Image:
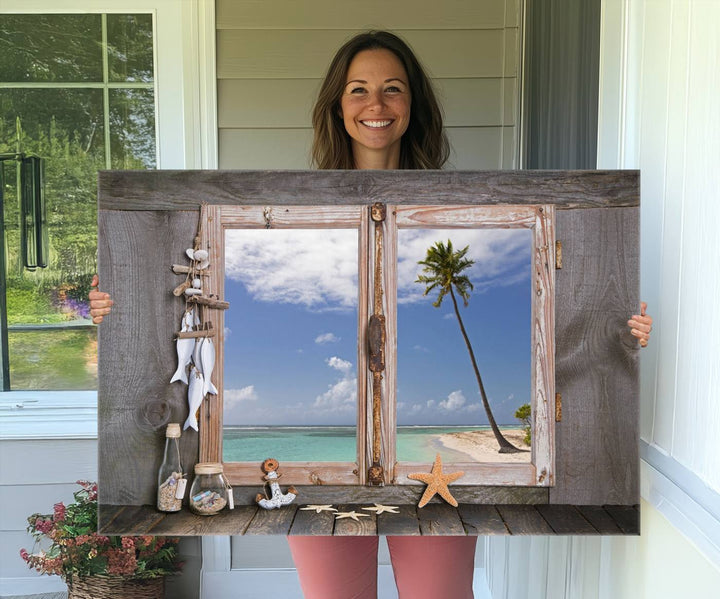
[{"x": 291, "y": 331}]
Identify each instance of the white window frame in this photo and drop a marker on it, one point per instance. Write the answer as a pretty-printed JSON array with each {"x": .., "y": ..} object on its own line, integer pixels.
[{"x": 186, "y": 132}]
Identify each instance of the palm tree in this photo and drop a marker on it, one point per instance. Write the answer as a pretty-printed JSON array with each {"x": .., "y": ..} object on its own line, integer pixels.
[{"x": 442, "y": 270}]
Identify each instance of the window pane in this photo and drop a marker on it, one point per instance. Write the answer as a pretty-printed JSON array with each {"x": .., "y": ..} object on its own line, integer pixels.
[
  {"x": 290, "y": 345},
  {"x": 65, "y": 127},
  {"x": 439, "y": 403},
  {"x": 130, "y": 47},
  {"x": 50, "y": 48},
  {"x": 54, "y": 359},
  {"x": 132, "y": 128},
  {"x": 54, "y": 121}
]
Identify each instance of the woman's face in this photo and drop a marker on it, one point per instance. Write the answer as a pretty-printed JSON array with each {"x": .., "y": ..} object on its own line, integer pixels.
[{"x": 375, "y": 107}]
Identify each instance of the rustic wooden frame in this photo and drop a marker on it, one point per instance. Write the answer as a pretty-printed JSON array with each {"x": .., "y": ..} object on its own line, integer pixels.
[
  {"x": 291, "y": 217},
  {"x": 539, "y": 219}
]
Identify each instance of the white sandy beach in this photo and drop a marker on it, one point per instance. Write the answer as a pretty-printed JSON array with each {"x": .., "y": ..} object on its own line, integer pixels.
[{"x": 481, "y": 446}]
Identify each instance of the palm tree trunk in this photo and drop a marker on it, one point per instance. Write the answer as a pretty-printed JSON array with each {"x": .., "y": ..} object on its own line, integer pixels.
[{"x": 505, "y": 445}]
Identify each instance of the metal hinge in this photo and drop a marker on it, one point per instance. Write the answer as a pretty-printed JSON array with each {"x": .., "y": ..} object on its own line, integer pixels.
[
  {"x": 558, "y": 407},
  {"x": 558, "y": 254}
]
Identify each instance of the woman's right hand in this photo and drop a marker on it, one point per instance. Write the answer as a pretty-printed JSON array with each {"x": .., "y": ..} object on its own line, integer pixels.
[{"x": 100, "y": 302}]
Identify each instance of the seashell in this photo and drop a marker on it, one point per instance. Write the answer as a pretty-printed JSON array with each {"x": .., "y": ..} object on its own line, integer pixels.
[
  {"x": 200, "y": 255},
  {"x": 190, "y": 253},
  {"x": 192, "y": 291},
  {"x": 203, "y": 265},
  {"x": 197, "y": 283}
]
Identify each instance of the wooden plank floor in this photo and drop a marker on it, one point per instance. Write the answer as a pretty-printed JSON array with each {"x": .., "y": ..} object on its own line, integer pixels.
[{"x": 433, "y": 519}]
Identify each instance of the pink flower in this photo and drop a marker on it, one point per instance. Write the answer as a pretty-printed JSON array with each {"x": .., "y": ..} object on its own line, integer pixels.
[
  {"x": 59, "y": 512},
  {"x": 43, "y": 526},
  {"x": 128, "y": 542},
  {"x": 121, "y": 562},
  {"x": 24, "y": 555}
]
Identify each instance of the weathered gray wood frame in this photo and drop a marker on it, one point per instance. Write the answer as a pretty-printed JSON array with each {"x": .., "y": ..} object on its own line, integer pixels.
[{"x": 147, "y": 218}]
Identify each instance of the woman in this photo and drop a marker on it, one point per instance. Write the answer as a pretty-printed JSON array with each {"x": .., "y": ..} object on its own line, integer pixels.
[{"x": 377, "y": 110}]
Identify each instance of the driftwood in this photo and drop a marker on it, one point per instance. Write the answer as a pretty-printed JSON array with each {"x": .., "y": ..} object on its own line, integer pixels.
[{"x": 209, "y": 302}]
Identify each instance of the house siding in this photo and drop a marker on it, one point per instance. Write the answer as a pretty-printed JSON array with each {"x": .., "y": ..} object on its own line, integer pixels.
[{"x": 271, "y": 59}]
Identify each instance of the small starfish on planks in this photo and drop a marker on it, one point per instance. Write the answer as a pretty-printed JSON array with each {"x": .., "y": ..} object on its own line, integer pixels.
[
  {"x": 437, "y": 482},
  {"x": 354, "y": 515},
  {"x": 319, "y": 508},
  {"x": 378, "y": 508}
]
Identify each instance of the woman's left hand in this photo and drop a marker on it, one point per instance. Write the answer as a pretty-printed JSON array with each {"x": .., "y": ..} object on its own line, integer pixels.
[{"x": 641, "y": 325}]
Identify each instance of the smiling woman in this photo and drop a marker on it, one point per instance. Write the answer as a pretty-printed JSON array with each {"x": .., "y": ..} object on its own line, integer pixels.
[{"x": 375, "y": 108}]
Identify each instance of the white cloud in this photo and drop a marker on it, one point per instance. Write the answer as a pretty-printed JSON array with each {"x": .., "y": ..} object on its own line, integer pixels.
[
  {"x": 342, "y": 395},
  {"x": 455, "y": 401},
  {"x": 416, "y": 408},
  {"x": 421, "y": 348},
  {"x": 318, "y": 268},
  {"x": 339, "y": 364},
  {"x": 430, "y": 403},
  {"x": 232, "y": 397},
  {"x": 312, "y": 267},
  {"x": 326, "y": 338},
  {"x": 502, "y": 257}
]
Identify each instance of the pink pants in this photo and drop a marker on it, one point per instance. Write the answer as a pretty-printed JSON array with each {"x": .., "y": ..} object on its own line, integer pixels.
[{"x": 346, "y": 567}]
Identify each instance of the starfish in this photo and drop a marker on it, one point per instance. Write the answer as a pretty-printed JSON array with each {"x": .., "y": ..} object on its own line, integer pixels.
[
  {"x": 319, "y": 508},
  {"x": 354, "y": 515},
  {"x": 379, "y": 509},
  {"x": 437, "y": 482}
]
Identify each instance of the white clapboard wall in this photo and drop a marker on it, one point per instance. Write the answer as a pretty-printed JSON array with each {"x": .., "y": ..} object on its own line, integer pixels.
[{"x": 271, "y": 57}]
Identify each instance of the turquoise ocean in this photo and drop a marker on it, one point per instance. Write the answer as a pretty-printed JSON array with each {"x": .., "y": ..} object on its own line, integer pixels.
[{"x": 332, "y": 443}]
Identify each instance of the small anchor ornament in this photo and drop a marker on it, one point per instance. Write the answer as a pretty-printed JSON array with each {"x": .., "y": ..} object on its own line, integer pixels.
[{"x": 277, "y": 497}]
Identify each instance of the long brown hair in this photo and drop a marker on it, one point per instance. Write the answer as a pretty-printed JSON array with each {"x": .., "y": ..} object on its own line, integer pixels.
[{"x": 424, "y": 144}]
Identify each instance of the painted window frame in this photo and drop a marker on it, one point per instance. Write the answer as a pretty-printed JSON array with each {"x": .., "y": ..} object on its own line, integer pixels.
[
  {"x": 186, "y": 137},
  {"x": 540, "y": 219}
]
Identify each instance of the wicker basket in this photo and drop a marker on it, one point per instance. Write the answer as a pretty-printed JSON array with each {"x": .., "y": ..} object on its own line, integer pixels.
[{"x": 116, "y": 587}]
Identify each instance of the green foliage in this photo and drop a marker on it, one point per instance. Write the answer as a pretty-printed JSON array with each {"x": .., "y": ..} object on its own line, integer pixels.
[
  {"x": 76, "y": 550},
  {"x": 54, "y": 359},
  {"x": 523, "y": 414}
]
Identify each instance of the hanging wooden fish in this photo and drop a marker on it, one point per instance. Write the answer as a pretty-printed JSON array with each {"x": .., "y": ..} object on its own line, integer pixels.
[
  {"x": 207, "y": 359},
  {"x": 195, "y": 398},
  {"x": 184, "y": 348},
  {"x": 197, "y": 360}
]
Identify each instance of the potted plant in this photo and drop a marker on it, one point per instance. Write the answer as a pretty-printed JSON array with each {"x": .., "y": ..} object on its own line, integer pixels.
[{"x": 96, "y": 566}]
